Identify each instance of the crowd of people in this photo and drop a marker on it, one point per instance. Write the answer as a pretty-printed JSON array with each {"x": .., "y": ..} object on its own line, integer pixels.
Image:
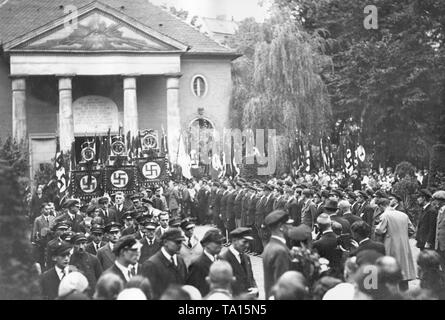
[{"x": 320, "y": 236}]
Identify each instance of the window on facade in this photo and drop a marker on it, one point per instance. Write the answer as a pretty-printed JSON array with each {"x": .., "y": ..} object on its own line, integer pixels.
[{"x": 199, "y": 86}]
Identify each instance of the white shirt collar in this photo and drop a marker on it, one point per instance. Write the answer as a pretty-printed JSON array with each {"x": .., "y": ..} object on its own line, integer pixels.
[
  {"x": 280, "y": 239},
  {"x": 212, "y": 258},
  {"x": 71, "y": 215},
  {"x": 60, "y": 271},
  {"x": 235, "y": 253},
  {"x": 111, "y": 245},
  {"x": 123, "y": 269},
  {"x": 168, "y": 256},
  {"x": 426, "y": 206},
  {"x": 366, "y": 239}
]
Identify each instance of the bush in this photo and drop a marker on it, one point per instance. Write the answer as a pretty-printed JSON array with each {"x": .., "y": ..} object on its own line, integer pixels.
[
  {"x": 404, "y": 169},
  {"x": 17, "y": 277},
  {"x": 437, "y": 167}
]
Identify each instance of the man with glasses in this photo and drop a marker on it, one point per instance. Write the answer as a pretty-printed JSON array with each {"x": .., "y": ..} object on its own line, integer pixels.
[
  {"x": 150, "y": 245},
  {"x": 127, "y": 251},
  {"x": 105, "y": 254},
  {"x": 166, "y": 267}
]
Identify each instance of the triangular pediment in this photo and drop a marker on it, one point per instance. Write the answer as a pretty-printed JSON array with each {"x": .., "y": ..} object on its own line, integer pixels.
[{"x": 96, "y": 28}]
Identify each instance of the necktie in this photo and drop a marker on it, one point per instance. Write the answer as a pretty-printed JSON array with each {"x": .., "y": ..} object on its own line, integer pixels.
[
  {"x": 63, "y": 274},
  {"x": 243, "y": 262},
  {"x": 133, "y": 271},
  {"x": 173, "y": 261},
  {"x": 190, "y": 243}
]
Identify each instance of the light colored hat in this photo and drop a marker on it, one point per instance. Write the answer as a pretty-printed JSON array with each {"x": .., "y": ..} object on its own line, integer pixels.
[
  {"x": 73, "y": 282},
  {"x": 193, "y": 292},
  {"x": 324, "y": 218},
  {"x": 439, "y": 195},
  {"x": 131, "y": 294}
]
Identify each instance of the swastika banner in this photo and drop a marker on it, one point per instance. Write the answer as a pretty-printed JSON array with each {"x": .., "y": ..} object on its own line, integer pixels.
[
  {"x": 86, "y": 187},
  {"x": 151, "y": 171},
  {"x": 120, "y": 179}
]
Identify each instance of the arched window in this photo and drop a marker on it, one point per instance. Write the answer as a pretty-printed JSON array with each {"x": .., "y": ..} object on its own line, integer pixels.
[{"x": 199, "y": 86}]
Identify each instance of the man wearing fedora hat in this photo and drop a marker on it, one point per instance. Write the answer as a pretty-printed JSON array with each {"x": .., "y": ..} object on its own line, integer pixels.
[
  {"x": 240, "y": 262},
  {"x": 199, "y": 268},
  {"x": 426, "y": 226},
  {"x": 87, "y": 263},
  {"x": 166, "y": 267},
  {"x": 331, "y": 208}
]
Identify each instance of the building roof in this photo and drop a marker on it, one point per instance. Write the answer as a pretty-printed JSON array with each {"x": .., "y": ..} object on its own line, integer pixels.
[
  {"x": 220, "y": 26},
  {"x": 19, "y": 17}
]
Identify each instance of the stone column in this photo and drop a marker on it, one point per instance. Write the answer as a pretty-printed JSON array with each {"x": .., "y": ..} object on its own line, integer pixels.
[
  {"x": 19, "y": 129},
  {"x": 130, "y": 106},
  {"x": 66, "y": 122},
  {"x": 173, "y": 116}
]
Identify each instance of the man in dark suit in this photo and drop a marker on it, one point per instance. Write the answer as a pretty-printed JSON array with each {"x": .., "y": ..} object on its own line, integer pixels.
[
  {"x": 127, "y": 252},
  {"x": 361, "y": 232},
  {"x": 331, "y": 208},
  {"x": 105, "y": 254},
  {"x": 309, "y": 210},
  {"x": 97, "y": 234},
  {"x": 230, "y": 208},
  {"x": 199, "y": 268},
  {"x": 203, "y": 203},
  {"x": 215, "y": 206},
  {"x": 87, "y": 263},
  {"x": 426, "y": 227},
  {"x": 72, "y": 215},
  {"x": 237, "y": 206},
  {"x": 150, "y": 245},
  {"x": 326, "y": 245},
  {"x": 106, "y": 214},
  {"x": 120, "y": 207},
  {"x": 50, "y": 280},
  {"x": 240, "y": 262},
  {"x": 166, "y": 267},
  {"x": 223, "y": 208},
  {"x": 276, "y": 255}
]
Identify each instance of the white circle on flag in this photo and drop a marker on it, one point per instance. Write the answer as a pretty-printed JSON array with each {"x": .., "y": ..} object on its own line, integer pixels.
[
  {"x": 151, "y": 170},
  {"x": 361, "y": 153},
  {"x": 119, "y": 179},
  {"x": 88, "y": 188}
]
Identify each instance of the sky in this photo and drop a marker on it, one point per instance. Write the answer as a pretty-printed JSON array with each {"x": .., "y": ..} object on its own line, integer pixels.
[{"x": 238, "y": 9}]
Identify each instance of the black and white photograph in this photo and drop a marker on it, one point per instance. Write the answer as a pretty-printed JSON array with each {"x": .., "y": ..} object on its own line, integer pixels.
[{"x": 233, "y": 151}]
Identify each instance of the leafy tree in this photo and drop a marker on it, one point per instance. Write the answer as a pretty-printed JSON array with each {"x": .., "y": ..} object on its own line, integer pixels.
[
  {"x": 18, "y": 279},
  {"x": 390, "y": 80},
  {"x": 278, "y": 83}
]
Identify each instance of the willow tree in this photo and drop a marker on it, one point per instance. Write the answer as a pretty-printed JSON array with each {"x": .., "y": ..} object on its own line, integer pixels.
[{"x": 284, "y": 89}]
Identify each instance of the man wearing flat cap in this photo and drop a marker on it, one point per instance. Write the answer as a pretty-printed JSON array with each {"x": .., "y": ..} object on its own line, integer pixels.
[
  {"x": 106, "y": 253},
  {"x": 127, "y": 251},
  {"x": 191, "y": 247},
  {"x": 427, "y": 220},
  {"x": 96, "y": 240},
  {"x": 276, "y": 255},
  {"x": 72, "y": 215},
  {"x": 240, "y": 262},
  {"x": 150, "y": 244},
  {"x": 50, "y": 280},
  {"x": 58, "y": 228},
  {"x": 166, "y": 267},
  {"x": 87, "y": 263},
  {"x": 199, "y": 268}
]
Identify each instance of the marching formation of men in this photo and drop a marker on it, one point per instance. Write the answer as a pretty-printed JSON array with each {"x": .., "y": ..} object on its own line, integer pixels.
[{"x": 150, "y": 235}]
